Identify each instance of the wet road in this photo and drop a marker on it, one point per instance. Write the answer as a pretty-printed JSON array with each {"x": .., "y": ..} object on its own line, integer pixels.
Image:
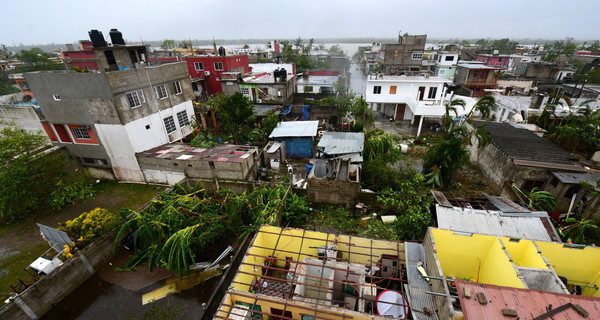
[{"x": 358, "y": 81}]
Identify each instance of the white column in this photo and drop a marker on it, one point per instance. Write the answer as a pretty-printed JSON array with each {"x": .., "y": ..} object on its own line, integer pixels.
[{"x": 420, "y": 126}]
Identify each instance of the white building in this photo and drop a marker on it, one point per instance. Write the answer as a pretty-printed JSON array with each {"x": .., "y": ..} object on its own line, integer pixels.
[{"x": 406, "y": 98}]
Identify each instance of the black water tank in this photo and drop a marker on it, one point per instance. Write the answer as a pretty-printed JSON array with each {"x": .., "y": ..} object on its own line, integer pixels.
[
  {"x": 222, "y": 51},
  {"x": 97, "y": 38},
  {"x": 116, "y": 37},
  {"x": 283, "y": 73}
]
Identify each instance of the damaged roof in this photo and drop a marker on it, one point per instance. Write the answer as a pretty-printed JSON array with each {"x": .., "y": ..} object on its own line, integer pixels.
[
  {"x": 497, "y": 301},
  {"x": 221, "y": 153},
  {"x": 577, "y": 177},
  {"x": 526, "y": 146},
  {"x": 342, "y": 142}
]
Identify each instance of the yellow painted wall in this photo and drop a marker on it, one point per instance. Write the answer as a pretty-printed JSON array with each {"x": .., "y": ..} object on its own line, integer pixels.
[
  {"x": 297, "y": 311},
  {"x": 497, "y": 269},
  {"x": 479, "y": 258},
  {"x": 524, "y": 254},
  {"x": 577, "y": 265}
]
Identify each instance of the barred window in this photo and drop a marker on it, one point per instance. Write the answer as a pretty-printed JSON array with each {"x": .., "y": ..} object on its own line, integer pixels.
[
  {"x": 81, "y": 133},
  {"x": 160, "y": 91},
  {"x": 182, "y": 118},
  {"x": 198, "y": 66},
  {"x": 135, "y": 98},
  {"x": 169, "y": 124}
]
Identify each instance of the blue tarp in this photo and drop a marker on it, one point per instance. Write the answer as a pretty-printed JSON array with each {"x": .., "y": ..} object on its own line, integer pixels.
[{"x": 305, "y": 111}]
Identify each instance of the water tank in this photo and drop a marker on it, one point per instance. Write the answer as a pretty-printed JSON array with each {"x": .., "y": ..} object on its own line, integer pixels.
[
  {"x": 496, "y": 52},
  {"x": 116, "y": 37},
  {"x": 283, "y": 74},
  {"x": 97, "y": 38},
  {"x": 221, "y": 51}
]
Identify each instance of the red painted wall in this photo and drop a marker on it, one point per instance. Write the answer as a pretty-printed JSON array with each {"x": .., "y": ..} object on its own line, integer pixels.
[
  {"x": 49, "y": 131},
  {"x": 229, "y": 63},
  {"x": 82, "y": 54}
]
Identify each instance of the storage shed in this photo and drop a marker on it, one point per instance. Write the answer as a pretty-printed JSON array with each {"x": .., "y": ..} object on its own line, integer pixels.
[{"x": 298, "y": 137}]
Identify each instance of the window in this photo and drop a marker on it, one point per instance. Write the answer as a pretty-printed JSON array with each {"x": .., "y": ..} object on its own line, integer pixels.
[
  {"x": 417, "y": 56},
  {"x": 393, "y": 89},
  {"x": 377, "y": 90},
  {"x": 182, "y": 118},
  {"x": 441, "y": 72},
  {"x": 432, "y": 92},
  {"x": 93, "y": 161},
  {"x": 169, "y": 124},
  {"x": 135, "y": 98},
  {"x": 176, "y": 87},
  {"x": 56, "y": 97},
  {"x": 198, "y": 66},
  {"x": 81, "y": 133},
  {"x": 160, "y": 91},
  {"x": 219, "y": 66},
  {"x": 308, "y": 89},
  {"x": 449, "y": 58},
  {"x": 245, "y": 91}
]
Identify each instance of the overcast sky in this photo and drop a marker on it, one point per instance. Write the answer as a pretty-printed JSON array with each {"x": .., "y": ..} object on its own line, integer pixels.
[{"x": 66, "y": 21}]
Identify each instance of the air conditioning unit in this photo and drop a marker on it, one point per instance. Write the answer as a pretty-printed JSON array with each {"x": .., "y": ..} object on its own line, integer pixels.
[{"x": 207, "y": 73}]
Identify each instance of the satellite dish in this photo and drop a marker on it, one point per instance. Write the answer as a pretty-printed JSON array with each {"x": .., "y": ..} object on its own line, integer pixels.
[{"x": 392, "y": 304}]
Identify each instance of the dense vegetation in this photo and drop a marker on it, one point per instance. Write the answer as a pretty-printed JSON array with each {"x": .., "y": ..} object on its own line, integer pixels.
[{"x": 177, "y": 229}]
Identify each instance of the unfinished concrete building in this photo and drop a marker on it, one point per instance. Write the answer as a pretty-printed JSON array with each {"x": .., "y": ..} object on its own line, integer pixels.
[
  {"x": 104, "y": 117},
  {"x": 404, "y": 57},
  {"x": 172, "y": 163}
]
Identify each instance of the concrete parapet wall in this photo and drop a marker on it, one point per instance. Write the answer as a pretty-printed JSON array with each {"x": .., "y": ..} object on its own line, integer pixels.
[{"x": 38, "y": 299}]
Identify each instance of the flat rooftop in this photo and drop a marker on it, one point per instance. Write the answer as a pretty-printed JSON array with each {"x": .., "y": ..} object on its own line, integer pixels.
[{"x": 221, "y": 153}]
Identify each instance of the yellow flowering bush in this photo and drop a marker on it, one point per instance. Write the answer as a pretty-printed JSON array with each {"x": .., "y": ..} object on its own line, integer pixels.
[
  {"x": 89, "y": 226},
  {"x": 68, "y": 252}
]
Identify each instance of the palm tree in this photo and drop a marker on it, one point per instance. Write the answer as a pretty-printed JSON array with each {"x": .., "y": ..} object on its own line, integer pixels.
[{"x": 449, "y": 151}]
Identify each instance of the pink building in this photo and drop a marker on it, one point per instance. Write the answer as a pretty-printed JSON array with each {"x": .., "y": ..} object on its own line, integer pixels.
[
  {"x": 84, "y": 58},
  {"x": 494, "y": 60}
]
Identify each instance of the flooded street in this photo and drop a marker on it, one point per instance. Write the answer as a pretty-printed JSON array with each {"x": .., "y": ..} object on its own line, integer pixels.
[
  {"x": 112, "y": 294},
  {"x": 358, "y": 81}
]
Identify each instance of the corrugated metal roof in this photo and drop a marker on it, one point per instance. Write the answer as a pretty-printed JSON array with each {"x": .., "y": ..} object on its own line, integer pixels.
[
  {"x": 342, "y": 142},
  {"x": 528, "y": 304},
  {"x": 295, "y": 129},
  {"x": 573, "y": 177},
  {"x": 524, "y": 226},
  {"x": 418, "y": 299}
]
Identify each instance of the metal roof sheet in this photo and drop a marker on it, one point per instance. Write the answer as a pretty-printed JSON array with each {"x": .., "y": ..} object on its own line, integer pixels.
[
  {"x": 417, "y": 286},
  {"x": 576, "y": 177},
  {"x": 527, "y": 303},
  {"x": 295, "y": 129},
  {"x": 524, "y": 226},
  {"x": 342, "y": 142}
]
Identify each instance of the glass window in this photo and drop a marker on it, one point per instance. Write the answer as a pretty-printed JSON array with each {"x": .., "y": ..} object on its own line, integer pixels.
[
  {"x": 218, "y": 66},
  {"x": 160, "y": 91},
  {"x": 417, "y": 56},
  {"x": 377, "y": 90},
  {"x": 432, "y": 92},
  {"x": 135, "y": 98},
  {"x": 198, "y": 66},
  {"x": 176, "y": 87},
  {"x": 245, "y": 91},
  {"x": 169, "y": 124},
  {"x": 449, "y": 58}
]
